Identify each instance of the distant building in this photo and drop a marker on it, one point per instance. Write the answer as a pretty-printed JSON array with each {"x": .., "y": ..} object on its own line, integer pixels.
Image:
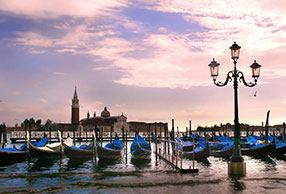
[
  {"x": 136, "y": 126},
  {"x": 105, "y": 121}
]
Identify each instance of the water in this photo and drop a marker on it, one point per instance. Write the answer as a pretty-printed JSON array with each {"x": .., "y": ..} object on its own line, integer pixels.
[{"x": 264, "y": 175}]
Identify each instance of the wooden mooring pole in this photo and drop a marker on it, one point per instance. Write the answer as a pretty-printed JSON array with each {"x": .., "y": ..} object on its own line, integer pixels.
[
  {"x": 156, "y": 144},
  {"x": 86, "y": 135},
  {"x": 284, "y": 126},
  {"x": 126, "y": 146},
  {"x": 190, "y": 128},
  {"x": 73, "y": 133},
  {"x": 267, "y": 127}
]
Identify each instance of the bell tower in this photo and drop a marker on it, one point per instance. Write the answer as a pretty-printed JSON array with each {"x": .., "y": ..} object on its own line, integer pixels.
[{"x": 75, "y": 108}]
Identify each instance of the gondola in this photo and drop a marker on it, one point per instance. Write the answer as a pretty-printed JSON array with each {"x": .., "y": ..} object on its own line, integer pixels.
[
  {"x": 201, "y": 152},
  {"x": 110, "y": 150},
  {"x": 140, "y": 148},
  {"x": 258, "y": 149},
  {"x": 225, "y": 152},
  {"x": 49, "y": 151},
  {"x": 21, "y": 152},
  {"x": 187, "y": 145},
  {"x": 280, "y": 149},
  {"x": 83, "y": 152}
]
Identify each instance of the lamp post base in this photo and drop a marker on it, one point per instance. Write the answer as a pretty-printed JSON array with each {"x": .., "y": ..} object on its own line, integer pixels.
[{"x": 237, "y": 168}]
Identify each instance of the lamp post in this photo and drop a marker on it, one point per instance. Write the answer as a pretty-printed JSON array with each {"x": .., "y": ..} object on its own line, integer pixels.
[{"x": 235, "y": 76}]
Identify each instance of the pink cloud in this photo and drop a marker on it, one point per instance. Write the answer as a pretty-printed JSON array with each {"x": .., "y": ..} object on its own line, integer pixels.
[{"x": 54, "y": 8}]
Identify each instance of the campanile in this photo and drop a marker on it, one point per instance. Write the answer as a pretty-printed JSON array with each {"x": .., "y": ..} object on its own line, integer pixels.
[{"x": 75, "y": 108}]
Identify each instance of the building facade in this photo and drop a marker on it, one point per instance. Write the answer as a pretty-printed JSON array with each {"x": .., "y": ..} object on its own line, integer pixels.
[{"x": 105, "y": 122}]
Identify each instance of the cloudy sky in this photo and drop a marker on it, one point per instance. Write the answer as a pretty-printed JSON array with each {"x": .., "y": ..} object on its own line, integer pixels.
[{"x": 147, "y": 58}]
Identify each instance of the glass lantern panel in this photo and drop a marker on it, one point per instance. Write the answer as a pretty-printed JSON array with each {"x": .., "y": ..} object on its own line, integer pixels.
[
  {"x": 214, "y": 71},
  {"x": 255, "y": 72},
  {"x": 235, "y": 54}
]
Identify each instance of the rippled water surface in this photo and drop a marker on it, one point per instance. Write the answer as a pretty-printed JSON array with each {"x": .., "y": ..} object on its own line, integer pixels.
[{"x": 264, "y": 175}]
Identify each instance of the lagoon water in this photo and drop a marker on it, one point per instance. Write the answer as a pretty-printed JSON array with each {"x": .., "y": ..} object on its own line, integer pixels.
[{"x": 264, "y": 175}]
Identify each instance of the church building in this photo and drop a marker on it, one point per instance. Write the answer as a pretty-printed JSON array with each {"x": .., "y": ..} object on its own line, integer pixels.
[{"x": 105, "y": 121}]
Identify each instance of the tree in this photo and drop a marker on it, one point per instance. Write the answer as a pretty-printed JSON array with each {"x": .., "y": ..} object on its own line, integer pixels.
[
  {"x": 38, "y": 124},
  {"x": 48, "y": 124},
  {"x": 32, "y": 124},
  {"x": 26, "y": 125}
]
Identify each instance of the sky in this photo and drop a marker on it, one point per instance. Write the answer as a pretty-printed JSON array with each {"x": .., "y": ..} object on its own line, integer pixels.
[{"x": 147, "y": 59}]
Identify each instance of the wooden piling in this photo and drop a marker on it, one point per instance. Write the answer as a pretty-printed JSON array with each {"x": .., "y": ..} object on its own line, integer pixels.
[
  {"x": 126, "y": 146},
  {"x": 79, "y": 135},
  {"x": 156, "y": 146},
  {"x": 173, "y": 130},
  {"x": 165, "y": 138},
  {"x": 86, "y": 135},
  {"x": 190, "y": 128},
  {"x": 123, "y": 136},
  {"x": 186, "y": 133},
  {"x": 4, "y": 132},
  {"x": 148, "y": 129},
  {"x": 111, "y": 130},
  {"x": 73, "y": 133},
  {"x": 1, "y": 130},
  {"x": 267, "y": 127},
  {"x": 101, "y": 136},
  {"x": 284, "y": 126}
]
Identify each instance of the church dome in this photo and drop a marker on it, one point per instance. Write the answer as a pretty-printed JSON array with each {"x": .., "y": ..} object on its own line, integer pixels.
[{"x": 105, "y": 113}]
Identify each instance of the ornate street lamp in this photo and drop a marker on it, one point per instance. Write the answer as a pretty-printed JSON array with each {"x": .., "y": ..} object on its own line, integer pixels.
[{"x": 235, "y": 75}]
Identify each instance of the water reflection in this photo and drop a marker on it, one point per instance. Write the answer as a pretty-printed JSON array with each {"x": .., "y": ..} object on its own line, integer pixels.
[
  {"x": 5, "y": 163},
  {"x": 237, "y": 184},
  {"x": 42, "y": 165},
  {"x": 265, "y": 159},
  {"x": 279, "y": 157},
  {"x": 76, "y": 164},
  {"x": 105, "y": 163},
  {"x": 140, "y": 163},
  {"x": 205, "y": 162}
]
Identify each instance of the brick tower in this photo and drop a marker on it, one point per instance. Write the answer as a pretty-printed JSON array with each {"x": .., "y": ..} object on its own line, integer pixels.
[{"x": 75, "y": 109}]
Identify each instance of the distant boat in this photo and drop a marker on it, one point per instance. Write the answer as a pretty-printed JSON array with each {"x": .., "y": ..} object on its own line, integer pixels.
[
  {"x": 225, "y": 152},
  {"x": 280, "y": 149},
  {"x": 187, "y": 145},
  {"x": 140, "y": 148},
  {"x": 82, "y": 152},
  {"x": 256, "y": 149},
  {"x": 21, "y": 152},
  {"x": 201, "y": 152},
  {"x": 222, "y": 148},
  {"x": 110, "y": 150}
]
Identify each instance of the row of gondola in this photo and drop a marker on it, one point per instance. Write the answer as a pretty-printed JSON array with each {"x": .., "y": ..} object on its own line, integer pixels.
[
  {"x": 198, "y": 148},
  {"x": 220, "y": 146},
  {"x": 139, "y": 149}
]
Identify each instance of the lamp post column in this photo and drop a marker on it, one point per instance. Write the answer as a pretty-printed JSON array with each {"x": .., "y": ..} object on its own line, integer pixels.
[
  {"x": 236, "y": 154},
  {"x": 236, "y": 166}
]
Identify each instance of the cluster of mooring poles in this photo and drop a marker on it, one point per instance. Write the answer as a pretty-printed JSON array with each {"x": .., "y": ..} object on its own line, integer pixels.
[{"x": 171, "y": 151}]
